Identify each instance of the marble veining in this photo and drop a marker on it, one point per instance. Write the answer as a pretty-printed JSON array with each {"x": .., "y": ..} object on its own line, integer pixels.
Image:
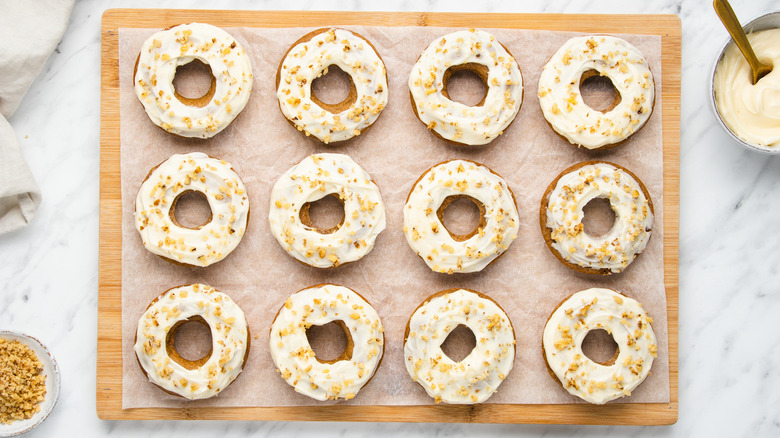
[{"x": 729, "y": 263}]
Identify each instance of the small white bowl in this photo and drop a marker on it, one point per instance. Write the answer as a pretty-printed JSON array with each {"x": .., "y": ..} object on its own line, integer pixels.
[
  {"x": 764, "y": 22},
  {"x": 52, "y": 373}
]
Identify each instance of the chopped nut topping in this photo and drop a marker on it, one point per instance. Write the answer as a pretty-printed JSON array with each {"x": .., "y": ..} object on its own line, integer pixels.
[{"x": 22, "y": 382}]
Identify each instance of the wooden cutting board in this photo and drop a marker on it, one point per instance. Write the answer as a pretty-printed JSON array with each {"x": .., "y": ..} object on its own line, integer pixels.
[{"x": 109, "y": 351}]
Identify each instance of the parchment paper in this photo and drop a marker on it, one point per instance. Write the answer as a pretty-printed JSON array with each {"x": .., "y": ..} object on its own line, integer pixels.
[{"x": 528, "y": 281}]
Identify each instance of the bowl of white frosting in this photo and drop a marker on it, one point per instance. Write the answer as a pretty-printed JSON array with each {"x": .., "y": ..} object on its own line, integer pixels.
[{"x": 750, "y": 113}]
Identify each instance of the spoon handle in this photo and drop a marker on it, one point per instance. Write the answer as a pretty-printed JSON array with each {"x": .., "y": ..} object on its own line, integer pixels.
[{"x": 729, "y": 19}]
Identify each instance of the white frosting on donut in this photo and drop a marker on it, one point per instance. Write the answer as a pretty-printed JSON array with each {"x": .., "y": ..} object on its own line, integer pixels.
[
  {"x": 475, "y": 378},
  {"x": 294, "y": 357},
  {"x": 454, "y": 121},
  {"x": 428, "y": 237},
  {"x": 166, "y": 50},
  {"x": 315, "y": 177},
  {"x": 224, "y": 192},
  {"x": 309, "y": 60},
  {"x": 229, "y": 341},
  {"x": 633, "y": 217},
  {"x": 620, "y": 316},
  {"x": 561, "y": 100}
]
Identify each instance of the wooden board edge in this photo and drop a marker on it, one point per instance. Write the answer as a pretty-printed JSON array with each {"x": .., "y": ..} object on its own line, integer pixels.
[
  {"x": 611, "y": 414},
  {"x": 109, "y": 375},
  {"x": 648, "y": 24},
  {"x": 671, "y": 98},
  {"x": 109, "y": 343}
]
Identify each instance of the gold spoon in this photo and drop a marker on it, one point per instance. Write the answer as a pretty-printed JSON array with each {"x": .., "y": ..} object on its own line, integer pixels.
[{"x": 726, "y": 15}]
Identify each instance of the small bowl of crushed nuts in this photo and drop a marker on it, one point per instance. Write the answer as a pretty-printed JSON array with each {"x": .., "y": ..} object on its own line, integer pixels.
[{"x": 29, "y": 383}]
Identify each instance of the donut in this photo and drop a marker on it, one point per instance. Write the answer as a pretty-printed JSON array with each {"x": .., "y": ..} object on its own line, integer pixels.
[
  {"x": 560, "y": 217},
  {"x": 475, "y": 378},
  {"x": 439, "y": 248},
  {"x": 155, "y": 208},
  {"x": 580, "y": 58},
  {"x": 619, "y": 315},
  {"x": 309, "y": 58},
  {"x": 157, "y": 355},
  {"x": 315, "y": 177},
  {"x": 480, "y": 53},
  {"x": 297, "y": 363},
  {"x": 231, "y": 81}
]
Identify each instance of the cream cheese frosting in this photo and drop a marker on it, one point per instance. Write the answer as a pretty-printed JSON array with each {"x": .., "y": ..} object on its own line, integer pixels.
[
  {"x": 562, "y": 103},
  {"x": 229, "y": 336},
  {"x": 475, "y": 378},
  {"x": 752, "y": 112},
  {"x": 629, "y": 235},
  {"x": 296, "y": 361},
  {"x": 454, "y": 121},
  {"x": 226, "y": 196},
  {"x": 428, "y": 236},
  {"x": 309, "y": 60},
  {"x": 315, "y": 177},
  {"x": 629, "y": 326},
  {"x": 165, "y": 51}
]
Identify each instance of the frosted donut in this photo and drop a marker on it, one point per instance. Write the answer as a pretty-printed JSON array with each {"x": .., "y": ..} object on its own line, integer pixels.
[
  {"x": 162, "y": 364},
  {"x": 561, "y": 217},
  {"x": 475, "y": 378},
  {"x": 231, "y": 83},
  {"x": 629, "y": 326},
  {"x": 309, "y": 58},
  {"x": 295, "y": 360},
  {"x": 426, "y": 234},
  {"x": 561, "y": 100},
  {"x": 155, "y": 208},
  {"x": 479, "y": 52},
  {"x": 315, "y": 177}
]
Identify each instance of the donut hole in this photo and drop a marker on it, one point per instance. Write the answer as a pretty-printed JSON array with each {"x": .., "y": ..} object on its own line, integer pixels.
[
  {"x": 189, "y": 342},
  {"x": 600, "y": 347},
  {"x": 194, "y": 84},
  {"x": 330, "y": 342},
  {"x": 325, "y": 215},
  {"x": 598, "y": 92},
  {"x": 598, "y": 217},
  {"x": 460, "y": 342},
  {"x": 462, "y": 216},
  {"x": 334, "y": 90},
  {"x": 466, "y": 84},
  {"x": 190, "y": 209}
]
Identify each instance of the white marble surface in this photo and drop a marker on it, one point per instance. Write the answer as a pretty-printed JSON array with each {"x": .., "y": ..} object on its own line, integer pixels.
[{"x": 729, "y": 262}]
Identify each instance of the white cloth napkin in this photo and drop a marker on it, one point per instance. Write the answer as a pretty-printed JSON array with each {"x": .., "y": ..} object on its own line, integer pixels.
[{"x": 29, "y": 32}]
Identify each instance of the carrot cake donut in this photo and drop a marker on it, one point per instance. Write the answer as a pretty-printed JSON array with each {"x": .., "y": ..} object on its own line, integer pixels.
[
  {"x": 561, "y": 217},
  {"x": 309, "y": 58},
  {"x": 295, "y": 360},
  {"x": 629, "y": 326},
  {"x": 157, "y": 355},
  {"x": 480, "y": 53},
  {"x": 561, "y": 100},
  {"x": 169, "y": 49},
  {"x": 155, "y": 206},
  {"x": 442, "y": 250},
  {"x": 475, "y": 378},
  {"x": 315, "y": 177}
]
